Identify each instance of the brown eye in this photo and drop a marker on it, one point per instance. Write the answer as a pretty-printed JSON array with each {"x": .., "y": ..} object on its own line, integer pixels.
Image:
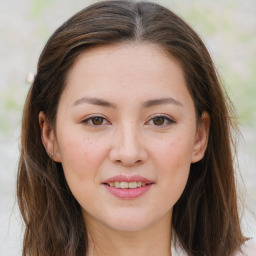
[
  {"x": 158, "y": 120},
  {"x": 161, "y": 121},
  {"x": 97, "y": 120}
]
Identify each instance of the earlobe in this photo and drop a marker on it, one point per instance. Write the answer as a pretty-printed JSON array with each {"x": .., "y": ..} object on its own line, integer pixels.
[
  {"x": 201, "y": 139},
  {"x": 48, "y": 138}
]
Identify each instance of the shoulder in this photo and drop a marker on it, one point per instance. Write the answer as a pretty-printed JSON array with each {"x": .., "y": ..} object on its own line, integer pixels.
[{"x": 248, "y": 248}]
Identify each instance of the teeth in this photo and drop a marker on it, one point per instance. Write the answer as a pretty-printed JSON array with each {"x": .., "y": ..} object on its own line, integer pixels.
[
  {"x": 123, "y": 184},
  {"x": 117, "y": 184},
  {"x": 132, "y": 184}
]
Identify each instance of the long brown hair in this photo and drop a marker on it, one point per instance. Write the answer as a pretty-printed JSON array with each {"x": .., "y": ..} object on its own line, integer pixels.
[{"x": 205, "y": 218}]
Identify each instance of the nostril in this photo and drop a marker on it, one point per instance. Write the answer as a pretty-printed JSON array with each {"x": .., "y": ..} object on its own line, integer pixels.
[{"x": 128, "y": 163}]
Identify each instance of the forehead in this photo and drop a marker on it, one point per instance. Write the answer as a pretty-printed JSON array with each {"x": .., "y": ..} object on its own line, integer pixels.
[
  {"x": 125, "y": 54},
  {"x": 128, "y": 69}
]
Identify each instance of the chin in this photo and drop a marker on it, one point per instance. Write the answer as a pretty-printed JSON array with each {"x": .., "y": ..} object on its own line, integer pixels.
[
  {"x": 129, "y": 225},
  {"x": 132, "y": 221}
]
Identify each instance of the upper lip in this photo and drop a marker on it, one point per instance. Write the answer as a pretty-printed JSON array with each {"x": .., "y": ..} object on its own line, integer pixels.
[{"x": 123, "y": 178}]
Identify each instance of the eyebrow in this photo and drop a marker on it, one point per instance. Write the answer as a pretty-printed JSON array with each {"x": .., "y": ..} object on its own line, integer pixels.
[
  {"x": 146, "y": 104},
  {"x": 161, "y": 101},
  {"x": 94, "y": 101}
]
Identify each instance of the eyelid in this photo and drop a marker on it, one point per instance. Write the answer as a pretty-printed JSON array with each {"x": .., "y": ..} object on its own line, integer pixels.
[
  {"x": 169, "y": 119},
  {"x": 90, "y": 117}
]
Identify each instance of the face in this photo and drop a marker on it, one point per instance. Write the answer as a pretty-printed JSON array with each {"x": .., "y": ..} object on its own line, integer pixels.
[{"x": 126, "y": 135}]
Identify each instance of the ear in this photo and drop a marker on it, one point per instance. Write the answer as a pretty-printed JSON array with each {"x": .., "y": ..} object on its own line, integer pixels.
[
  {"x": 201, "y": 138},
  {"x": 48, "y": 138}
]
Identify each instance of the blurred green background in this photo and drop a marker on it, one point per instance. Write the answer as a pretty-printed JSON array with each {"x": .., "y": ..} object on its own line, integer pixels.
[{"x": 228, "y": 28}]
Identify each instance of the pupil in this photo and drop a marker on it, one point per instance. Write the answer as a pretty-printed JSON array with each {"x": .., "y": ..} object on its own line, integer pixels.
[
  {"x": 158, "y": 120},
  {"x": 97, "y": 120}
]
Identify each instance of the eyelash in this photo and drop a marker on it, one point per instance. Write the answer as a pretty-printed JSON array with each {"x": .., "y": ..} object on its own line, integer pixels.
[
  {"x": 167, "y": 121},
  {"x": 89, "y": 120}
]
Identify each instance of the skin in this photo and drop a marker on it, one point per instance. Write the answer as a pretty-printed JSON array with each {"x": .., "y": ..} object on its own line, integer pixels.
[{"x": 129, "y": 140}]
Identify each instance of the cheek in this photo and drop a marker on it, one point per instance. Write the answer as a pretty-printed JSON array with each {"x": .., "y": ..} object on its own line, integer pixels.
[
  {"x": 81, "y": 161},
  {"x": 172, "y": 159},
  {"x": 175, "y": 152},
  {"x": 81, "y": 157}
]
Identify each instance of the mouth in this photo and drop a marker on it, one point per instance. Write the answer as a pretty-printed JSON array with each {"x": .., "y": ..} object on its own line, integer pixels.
[{"x": 128, "y": 187}]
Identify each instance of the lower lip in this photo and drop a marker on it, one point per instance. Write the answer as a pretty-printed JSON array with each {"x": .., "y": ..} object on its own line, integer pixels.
[{"x": 128, "y": 193}]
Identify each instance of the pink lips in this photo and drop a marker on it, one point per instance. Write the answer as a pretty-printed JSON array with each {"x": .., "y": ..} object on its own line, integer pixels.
[
  {"x": 128, "y": 179},
  {"x": 128, "y": 193}
]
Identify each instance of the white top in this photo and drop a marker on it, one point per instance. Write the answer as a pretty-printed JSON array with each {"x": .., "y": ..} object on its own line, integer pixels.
[{"x": 248, "y": 248}]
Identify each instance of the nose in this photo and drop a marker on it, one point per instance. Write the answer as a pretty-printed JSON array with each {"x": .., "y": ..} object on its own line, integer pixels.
[{"x": 128, "y": 147}]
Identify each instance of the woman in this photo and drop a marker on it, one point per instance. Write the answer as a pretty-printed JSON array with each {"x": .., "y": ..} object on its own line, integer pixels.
[{"x": 126, "y": 141}]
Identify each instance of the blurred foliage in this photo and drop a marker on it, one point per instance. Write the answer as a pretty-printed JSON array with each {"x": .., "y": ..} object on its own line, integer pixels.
[
  {"x": 11, "y": 105},
  {"x": 37, "y": 6},
  {"x": 229, "y": 31}
]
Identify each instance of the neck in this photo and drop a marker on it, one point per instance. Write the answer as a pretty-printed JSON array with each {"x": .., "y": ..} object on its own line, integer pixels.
[{"x": 153, "y": 240}]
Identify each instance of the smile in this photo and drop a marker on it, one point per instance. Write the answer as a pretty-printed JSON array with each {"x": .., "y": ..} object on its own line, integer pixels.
[
  {"x": 127, "y": 187},
  {"x": 124, "y": 184}
]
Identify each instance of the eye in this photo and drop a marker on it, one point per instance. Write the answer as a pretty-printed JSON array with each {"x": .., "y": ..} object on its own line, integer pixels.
[
  {"x": 95, "y": 121},
  {"x": 160, "y": 121}
]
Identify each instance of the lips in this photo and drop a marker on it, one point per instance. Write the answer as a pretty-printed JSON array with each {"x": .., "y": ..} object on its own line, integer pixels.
[
  {"x": 123, "y": 184},
  {"x": 127, "y": 187},
  {"x": 123, "y": 178}
]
